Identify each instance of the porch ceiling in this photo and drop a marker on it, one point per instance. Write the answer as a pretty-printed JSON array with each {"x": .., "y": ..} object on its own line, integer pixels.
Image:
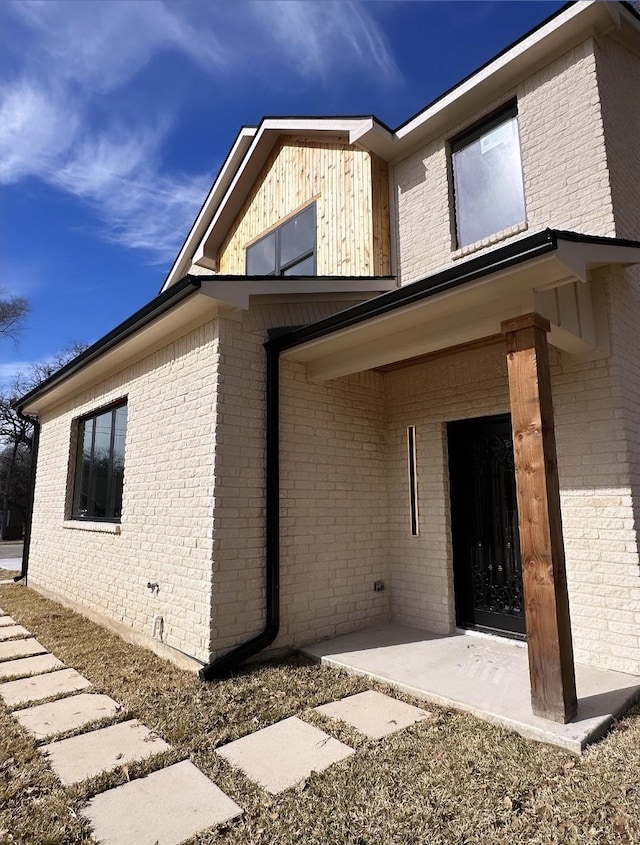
[{"x": 555, "y": 283}]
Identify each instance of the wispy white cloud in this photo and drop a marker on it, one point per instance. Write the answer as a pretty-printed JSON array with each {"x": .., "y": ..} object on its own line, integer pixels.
[
  {"x": 101, "y": 45},
  {"x": 35, "y": 132},
  {"x": 323, "y": 37},
  {"x": 72, "y": 56}
]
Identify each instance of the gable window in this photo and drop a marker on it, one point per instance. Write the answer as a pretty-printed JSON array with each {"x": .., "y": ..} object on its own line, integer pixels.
[
  {"x": 99, "y": 471},
  {"x": 289, "y": 250},
  {"x": 487, "y": 178}
]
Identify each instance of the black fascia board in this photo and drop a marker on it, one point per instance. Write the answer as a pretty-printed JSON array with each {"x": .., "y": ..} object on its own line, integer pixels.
[
  {"x": 491, "y": 262},
  {"x": 158, "y": 306},
  {"x": 494, "y": 261},
  {"x": 236, "y": 277}
]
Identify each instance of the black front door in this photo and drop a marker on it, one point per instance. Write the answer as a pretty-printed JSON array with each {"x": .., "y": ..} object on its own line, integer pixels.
[{"x": 484, "y": 522}]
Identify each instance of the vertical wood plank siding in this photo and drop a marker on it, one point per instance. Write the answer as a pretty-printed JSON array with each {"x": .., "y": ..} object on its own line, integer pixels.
[
  {"x": 350, "y": 188},
  {"x": 381, "y": 219}
]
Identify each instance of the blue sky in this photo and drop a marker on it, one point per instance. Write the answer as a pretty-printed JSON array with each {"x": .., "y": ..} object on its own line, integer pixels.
[{"x": 115, "y": 116}]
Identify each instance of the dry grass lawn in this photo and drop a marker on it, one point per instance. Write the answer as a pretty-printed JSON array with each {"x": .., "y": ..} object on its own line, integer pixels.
[{"x": 451, "y": 779}]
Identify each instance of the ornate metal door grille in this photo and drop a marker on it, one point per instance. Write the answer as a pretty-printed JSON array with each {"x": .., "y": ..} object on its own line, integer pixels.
[{"x": 484, "y": 518}]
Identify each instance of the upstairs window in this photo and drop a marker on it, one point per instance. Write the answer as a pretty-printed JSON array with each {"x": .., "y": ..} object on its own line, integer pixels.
[
  {"x": 99, "y": 472},
  {"x": 289, "y": 250},
  {"x": 487, "y": 178}
]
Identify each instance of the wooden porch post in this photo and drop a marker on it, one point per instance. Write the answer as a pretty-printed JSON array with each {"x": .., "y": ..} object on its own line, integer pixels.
[{"x": 551, "y": 669}]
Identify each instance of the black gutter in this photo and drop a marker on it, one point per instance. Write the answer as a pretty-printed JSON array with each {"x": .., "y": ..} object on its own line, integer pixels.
[
  {"x": 223, "y": 666},
  {"x": 35, "y": 443},
  {"x": 495, "y": 261},
  {"x": 152, "y": 310},
  {"x": 491, "y": 262}
]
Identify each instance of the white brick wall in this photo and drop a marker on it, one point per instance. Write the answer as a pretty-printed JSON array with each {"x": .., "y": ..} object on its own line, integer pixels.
[
  {"x": 327, "y": 571},
  {"x": 563, "y": 160},
  {"x": 334, "y": 505},
  {"x": 166, "y": 531}
]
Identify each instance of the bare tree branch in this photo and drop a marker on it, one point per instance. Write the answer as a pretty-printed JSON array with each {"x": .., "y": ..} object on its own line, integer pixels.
[{"x": 13, "y": 310}]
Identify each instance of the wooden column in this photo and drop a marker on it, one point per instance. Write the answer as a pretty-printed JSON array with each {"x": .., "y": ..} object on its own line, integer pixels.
[{"x": 551, "y": 669}]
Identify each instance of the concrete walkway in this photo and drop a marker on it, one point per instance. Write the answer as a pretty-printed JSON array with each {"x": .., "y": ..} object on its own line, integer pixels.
[
  {"x": 486, "y": 676},
  {"x": 178, "y": 801}
]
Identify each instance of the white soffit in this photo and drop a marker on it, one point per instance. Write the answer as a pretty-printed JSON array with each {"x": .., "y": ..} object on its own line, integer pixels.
[
  {"x": 461, "y": 314},
  {"x": 236, "y": 292},
  {"x": 188, "y": 315}
]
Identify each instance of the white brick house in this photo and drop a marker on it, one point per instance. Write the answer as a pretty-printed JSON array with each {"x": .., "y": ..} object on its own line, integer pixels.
[{"x": 319, "y": 397}]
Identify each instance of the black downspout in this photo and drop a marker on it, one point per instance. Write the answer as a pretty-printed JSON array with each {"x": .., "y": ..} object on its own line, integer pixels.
[
  {"x": 223, "y": 666},
  {"x": 35, "y": 443}
]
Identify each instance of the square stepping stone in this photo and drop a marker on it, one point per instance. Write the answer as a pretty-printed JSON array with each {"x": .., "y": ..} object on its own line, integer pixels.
[
  {"x": 10, "y": 631},
  {"x": 165, "y": 807},
  {"x": 21, "y": 648},
  {"x": 42, "y": 686},
  {"x": 374, "y": 714},
  {"x": 30, "y": 665},
  {"x": 66, "y": 714},
  {"x": 7, "y": 620},
  {"x": 283, "y": 754},
  {"x": 102, "y": 750}
]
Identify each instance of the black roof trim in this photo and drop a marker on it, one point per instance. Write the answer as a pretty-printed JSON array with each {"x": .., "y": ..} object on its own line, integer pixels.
[
  {"x": 326, "y": 117},
  {"x": 502, "y": 258},
  {"x": 230, "y": 277},
  {"x": 486, "y": 64},
  {"x": 155, "y": 308}
]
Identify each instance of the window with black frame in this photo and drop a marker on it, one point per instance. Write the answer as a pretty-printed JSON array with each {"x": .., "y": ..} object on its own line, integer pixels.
[
  {"x": 487, "y": 178},
  {"x": 99, "y": 471},
  {"x": 289, "y": 250}
]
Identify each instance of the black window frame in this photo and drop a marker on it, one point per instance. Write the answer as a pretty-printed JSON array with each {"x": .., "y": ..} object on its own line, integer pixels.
[
  {"x": 468, "y": 136},
  {"x": 281, "y": 269},
  {"x": 111, "y": 487}
]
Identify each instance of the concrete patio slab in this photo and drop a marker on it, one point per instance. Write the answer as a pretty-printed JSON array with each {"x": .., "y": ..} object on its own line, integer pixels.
[
  {"x": 10, "y": 631},
  {"x": 486, "y": 676},
  {"x": 66, "y": 714},
  {"x": 98, "y": 751},
  {"x": 20, "y": 648},
  {"x": 30, "y": 665},
  {"x": 374, "y": 714},
  {"x": 283, "y": 754},
  {"x": 166, "y": 807},
  {"x": 7, "y": 620},
  {"x": 38, "y": 687}
]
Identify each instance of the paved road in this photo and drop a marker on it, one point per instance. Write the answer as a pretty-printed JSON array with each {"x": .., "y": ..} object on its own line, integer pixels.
[{"x": 10, "y": 555}]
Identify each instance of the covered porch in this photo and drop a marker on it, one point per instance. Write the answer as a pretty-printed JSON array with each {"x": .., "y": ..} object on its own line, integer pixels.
[
  {"x": 544, "y": 290},
  {"x": 480, "y": 674}
]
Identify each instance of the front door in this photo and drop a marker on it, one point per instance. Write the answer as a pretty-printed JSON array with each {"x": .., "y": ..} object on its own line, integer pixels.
[{"x": 484, "y": 523}]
